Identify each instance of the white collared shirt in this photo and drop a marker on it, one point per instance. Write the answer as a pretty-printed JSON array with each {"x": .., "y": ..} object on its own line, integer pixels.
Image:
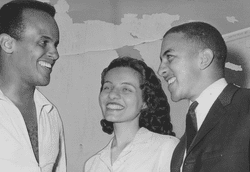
[
  {"x": 16, "y": 153},
  {"x": 207, "y": 98},
  {"x": 148, "y": 152}
]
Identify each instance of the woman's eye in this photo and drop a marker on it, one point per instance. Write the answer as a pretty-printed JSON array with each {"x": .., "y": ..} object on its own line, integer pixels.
[
  {"x": 106, "y": 88},
  {"x": 126, "y": 90}
]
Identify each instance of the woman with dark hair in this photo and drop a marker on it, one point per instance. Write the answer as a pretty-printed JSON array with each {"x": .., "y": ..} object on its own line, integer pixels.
[{"x": 136, "y": 110}]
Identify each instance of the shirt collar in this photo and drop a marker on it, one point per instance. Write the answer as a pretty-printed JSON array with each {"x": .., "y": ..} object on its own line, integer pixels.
[
  {"x": 207, "y": 98},
  {"x": 142, "y": 136},
  {"x": 42, "y": 102},
  {"x": 3, "y": 97}
]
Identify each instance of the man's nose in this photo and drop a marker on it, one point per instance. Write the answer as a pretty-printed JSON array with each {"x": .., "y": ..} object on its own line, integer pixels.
[
  {"x": 53, "y": 53},
  {"x": 163, "y": 69}
]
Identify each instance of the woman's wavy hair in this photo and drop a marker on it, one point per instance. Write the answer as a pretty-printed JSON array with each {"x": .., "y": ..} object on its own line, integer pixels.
[{"x": 155, "y": 117}]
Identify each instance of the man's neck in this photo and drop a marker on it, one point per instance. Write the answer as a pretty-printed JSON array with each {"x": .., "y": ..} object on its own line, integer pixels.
[{"x": 18, "y": 94}]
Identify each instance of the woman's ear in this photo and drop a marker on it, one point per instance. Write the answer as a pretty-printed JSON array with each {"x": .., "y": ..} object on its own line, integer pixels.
[
  {"x": 206, "y": 58},
  {"x": 6, "y": 43}
]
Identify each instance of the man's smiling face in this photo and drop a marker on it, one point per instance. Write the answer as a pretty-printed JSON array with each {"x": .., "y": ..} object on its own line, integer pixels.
[
  {"x": 36, "y": 52},
  {"x": 179, "y": 66}
]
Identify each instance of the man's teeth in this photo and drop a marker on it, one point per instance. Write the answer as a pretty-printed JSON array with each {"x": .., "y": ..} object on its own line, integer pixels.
[
  {"x": 170, "y": 81},
  {"x": 114, "y": 106},
  {"x": 42, "y": 63}
]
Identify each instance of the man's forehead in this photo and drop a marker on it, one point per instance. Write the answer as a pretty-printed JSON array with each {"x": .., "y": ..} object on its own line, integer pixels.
[{"x": 42, "y": 23}]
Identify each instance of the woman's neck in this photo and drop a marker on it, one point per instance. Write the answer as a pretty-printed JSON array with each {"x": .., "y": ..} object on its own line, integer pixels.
[{"x": 123, "y": 134}]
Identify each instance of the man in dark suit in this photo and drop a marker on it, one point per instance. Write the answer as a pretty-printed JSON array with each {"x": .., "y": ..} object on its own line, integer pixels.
[{"x": 192, "y": 63}]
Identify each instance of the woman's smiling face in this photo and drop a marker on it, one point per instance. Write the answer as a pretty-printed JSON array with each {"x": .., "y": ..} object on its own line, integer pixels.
[{"x": 121, "y": 96}]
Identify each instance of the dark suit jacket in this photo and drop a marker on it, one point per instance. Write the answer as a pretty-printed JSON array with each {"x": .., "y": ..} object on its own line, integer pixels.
[{"x": 222, "y": 142}]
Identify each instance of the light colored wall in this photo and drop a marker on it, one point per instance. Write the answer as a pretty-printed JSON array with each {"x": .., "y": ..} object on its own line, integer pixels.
[{"x": 93, "y": 32}]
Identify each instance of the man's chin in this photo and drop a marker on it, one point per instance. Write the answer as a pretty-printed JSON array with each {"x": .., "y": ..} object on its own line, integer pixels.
[
  {"x": 44, "y": 83},
  {"x": 175, "y": 98}
]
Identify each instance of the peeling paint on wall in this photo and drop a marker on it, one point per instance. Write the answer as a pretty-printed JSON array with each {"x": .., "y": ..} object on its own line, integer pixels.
[
  {"x": 232, "y": 19},
  {"x": 95, "y": 35}
]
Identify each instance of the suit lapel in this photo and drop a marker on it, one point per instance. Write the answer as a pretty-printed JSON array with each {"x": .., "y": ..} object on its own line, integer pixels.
[
  {"x": 215, "y": 114},
  {"x": 178, "y": 155}
]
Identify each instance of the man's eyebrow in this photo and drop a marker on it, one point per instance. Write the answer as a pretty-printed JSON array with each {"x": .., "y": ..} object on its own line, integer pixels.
[
  {"x": 167, "y": 51},
  {"x": 49, "y": 38},
  {"x": 46, "y": 37}
]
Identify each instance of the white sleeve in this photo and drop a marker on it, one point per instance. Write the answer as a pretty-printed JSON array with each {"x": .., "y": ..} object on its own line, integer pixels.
[{"x": 166, "y": 155}]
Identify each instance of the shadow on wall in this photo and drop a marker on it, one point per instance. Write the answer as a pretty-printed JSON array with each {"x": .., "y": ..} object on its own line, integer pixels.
[{"x": 239, "y": 75}]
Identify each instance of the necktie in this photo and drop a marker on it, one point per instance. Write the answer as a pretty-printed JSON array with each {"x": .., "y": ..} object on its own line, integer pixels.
[{"x": 191, "y": 123}]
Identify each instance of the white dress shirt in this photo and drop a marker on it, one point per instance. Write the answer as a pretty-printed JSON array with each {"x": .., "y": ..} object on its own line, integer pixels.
[
  {"x": 148, "y": 152},
  {"x": 16, "y": 153},
  {"x": 207, "y": 99}
]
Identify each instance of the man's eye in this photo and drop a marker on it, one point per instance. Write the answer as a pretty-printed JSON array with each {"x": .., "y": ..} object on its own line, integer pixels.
[
  {"x": 43, "y": 43},
  {"x": 170, "y": 57}
]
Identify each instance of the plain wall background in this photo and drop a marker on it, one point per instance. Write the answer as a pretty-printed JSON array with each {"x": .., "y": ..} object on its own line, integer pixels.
[{"x": 94, "y": 32}]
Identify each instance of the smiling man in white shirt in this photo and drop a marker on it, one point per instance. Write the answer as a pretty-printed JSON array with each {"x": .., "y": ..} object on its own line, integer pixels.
[{"x": 31, "y": 131}]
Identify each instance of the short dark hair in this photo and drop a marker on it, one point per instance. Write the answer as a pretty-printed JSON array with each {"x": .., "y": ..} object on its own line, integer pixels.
[
  {"x": 11, "y": 15},
  {"x": 156, "y": 117},
  {"x": 204, "y": 35}
]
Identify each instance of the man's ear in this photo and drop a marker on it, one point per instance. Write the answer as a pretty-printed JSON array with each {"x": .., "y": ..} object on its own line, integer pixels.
[
  {"x": 206, "y": 58},
  {"x": 6, "y": 43}
]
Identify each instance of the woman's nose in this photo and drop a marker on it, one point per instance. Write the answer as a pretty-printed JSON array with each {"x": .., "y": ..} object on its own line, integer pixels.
[{"x": 114, "y": 93}]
